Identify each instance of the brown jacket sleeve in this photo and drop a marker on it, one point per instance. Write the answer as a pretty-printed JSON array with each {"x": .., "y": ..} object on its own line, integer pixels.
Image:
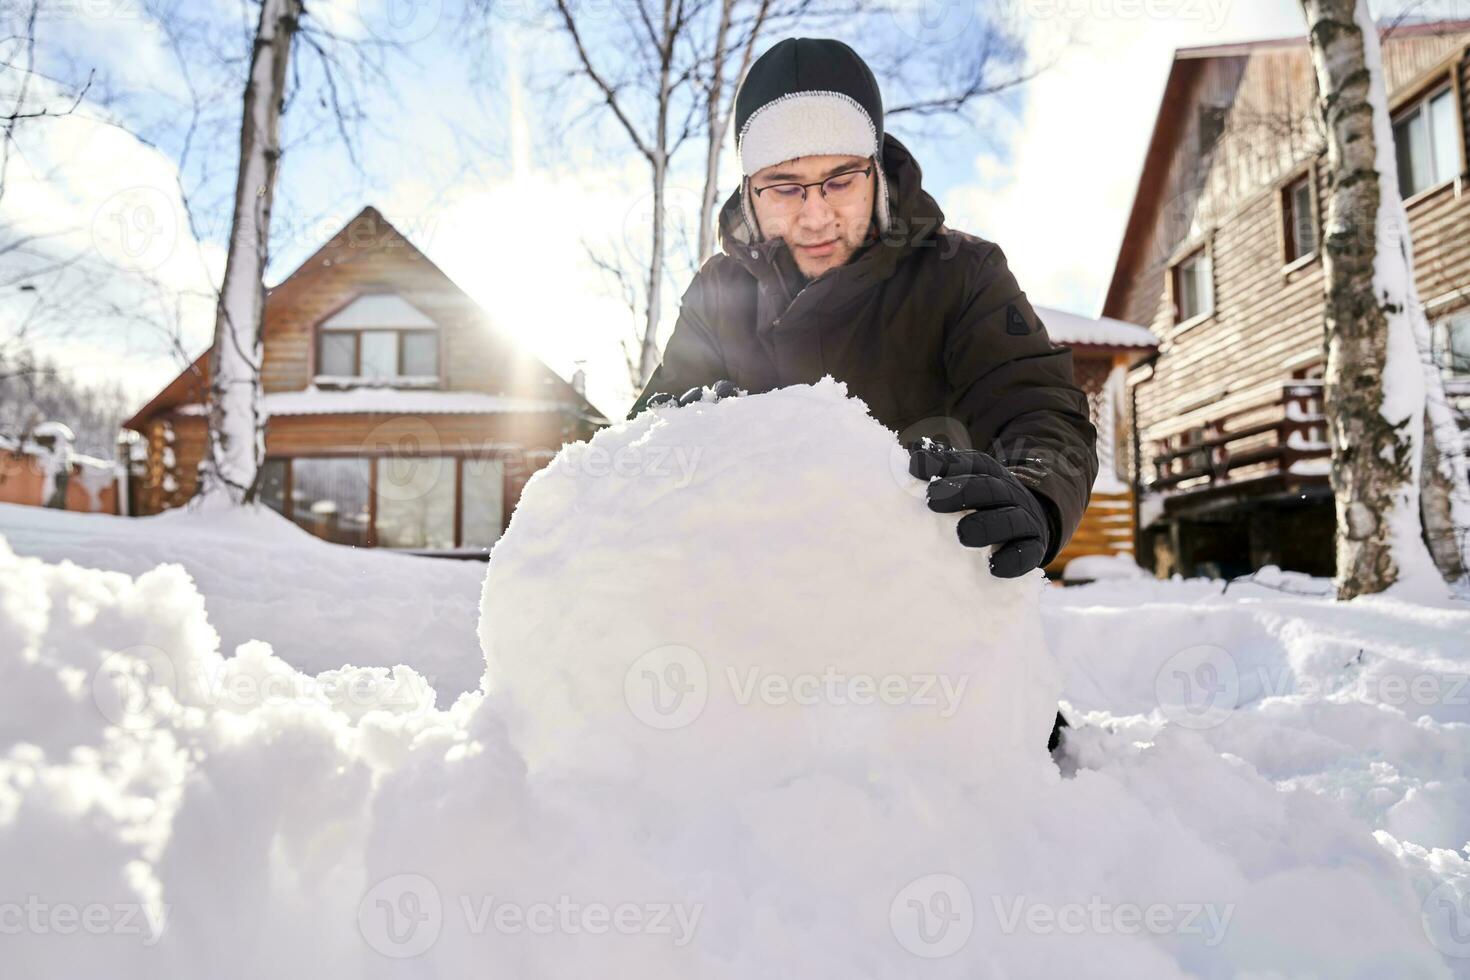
[
  {"x": 691, "y": 357},
  {"x": 1015, "y": 393}
]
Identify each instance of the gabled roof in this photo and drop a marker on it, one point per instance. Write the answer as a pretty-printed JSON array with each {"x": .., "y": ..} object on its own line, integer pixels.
[
  {"x": 192, "y": 384},
  {"x": 1187, "y": 64}
]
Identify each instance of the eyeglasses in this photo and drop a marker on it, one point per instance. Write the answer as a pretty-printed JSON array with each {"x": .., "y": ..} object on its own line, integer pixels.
[{"x": 837, "y": 190}]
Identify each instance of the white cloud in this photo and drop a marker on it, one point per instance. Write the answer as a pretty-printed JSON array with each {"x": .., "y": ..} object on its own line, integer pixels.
[{"x": 104, "y": 210}]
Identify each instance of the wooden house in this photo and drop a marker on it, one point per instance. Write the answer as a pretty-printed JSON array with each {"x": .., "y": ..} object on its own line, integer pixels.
[
  {"x": 1220, "y": 260},
  {"x": 399, "y": 415},
  {"x": 1103, "y": 350},
  {"x": 43, "y": 470}
]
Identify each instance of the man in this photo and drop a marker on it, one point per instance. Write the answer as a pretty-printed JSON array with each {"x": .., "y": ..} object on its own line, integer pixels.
[{"x": 835, "y": 261}]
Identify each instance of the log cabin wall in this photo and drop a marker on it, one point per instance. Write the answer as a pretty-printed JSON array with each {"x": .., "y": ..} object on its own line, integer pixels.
[{"x": 1236, "y": 128}]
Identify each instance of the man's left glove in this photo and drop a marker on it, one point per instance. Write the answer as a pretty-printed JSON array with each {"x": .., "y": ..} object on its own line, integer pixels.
[
  {"x": 1006, "y": 513},
  {"x": 720, "y": 389}
]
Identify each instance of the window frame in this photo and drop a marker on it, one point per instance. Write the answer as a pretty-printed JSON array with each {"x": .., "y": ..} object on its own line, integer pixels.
[
  {"x": 400, "y": 342},
  {"x": 1203, "y": 251},
  {"x": 1441, "y": 345},
  {"x": 1444, "y": 84},
  {"x": 505, "y": 458},
  {"x": 1286, "y": 204},
  {"x": 319, "y": 331}
]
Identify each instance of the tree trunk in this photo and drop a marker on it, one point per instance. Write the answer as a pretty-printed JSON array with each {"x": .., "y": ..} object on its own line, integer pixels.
[
  {"x": 1445, "y": 502},
  {"x": 236, "y": 410},
  {"x": 648, "y": 357},
  {"x": 1374, "y": 384},
  {"x": 715, "y": 122}
]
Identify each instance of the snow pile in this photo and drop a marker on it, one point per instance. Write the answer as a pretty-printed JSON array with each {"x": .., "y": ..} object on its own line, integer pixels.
[
  {"x": 706, "y": 747},
  {"x": 760, "y": 572},
  {"x": 1092, "y": 568},
  {"x": 266, "y": 579}
]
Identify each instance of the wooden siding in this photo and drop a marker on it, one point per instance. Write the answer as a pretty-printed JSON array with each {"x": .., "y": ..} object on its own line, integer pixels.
[
  {"x": 1267, "y": 321},
  {"x": 1106, "y": 529},
  {"x": 1107, "y": 526}
]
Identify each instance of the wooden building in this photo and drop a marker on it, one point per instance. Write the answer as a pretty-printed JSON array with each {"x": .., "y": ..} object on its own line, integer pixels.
[
  {"x": 1220, "y": 260},
  {"x": 1103, "y": 350},
  {"x": 43, "y": 470},
  {"x": 399, "y": 414}
]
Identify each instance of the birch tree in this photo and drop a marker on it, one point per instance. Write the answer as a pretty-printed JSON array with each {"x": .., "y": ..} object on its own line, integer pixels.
[
  {"x": 236, "y": 409},
  {"x": 1375, "y": 328}
]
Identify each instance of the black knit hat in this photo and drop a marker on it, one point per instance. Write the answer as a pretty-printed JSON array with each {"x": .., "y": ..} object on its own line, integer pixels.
[{"x": 809, "y": 96}]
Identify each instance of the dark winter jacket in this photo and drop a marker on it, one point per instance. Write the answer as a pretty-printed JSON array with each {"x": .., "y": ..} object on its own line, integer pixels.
[{"x": 926, "y": 325}]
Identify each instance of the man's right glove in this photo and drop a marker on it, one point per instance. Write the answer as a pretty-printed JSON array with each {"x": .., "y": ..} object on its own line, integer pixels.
[
  {"x": 720, "y": 389},
  {"x": 1006, "y": 513}
]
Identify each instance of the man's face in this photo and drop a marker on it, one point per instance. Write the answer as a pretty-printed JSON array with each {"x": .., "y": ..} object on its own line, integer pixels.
[{"x": 821, "y": 235}]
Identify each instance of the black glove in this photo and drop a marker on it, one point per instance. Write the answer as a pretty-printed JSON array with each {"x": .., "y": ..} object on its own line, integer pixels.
[
  {"x": 1007, "y": 514},
  {"x": 720, "y": 389}
]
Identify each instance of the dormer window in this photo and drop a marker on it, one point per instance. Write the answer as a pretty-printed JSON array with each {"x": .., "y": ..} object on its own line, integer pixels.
[{"x": 378, "y": 339}]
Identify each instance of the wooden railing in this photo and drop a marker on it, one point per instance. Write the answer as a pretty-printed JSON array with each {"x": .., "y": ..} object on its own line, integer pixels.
[{"x": 1267, "y": 431}]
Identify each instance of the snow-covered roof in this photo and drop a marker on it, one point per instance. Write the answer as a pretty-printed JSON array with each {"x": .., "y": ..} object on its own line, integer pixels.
[
  {"x": 395, "y": 401},
  {"x": 1070, "y": 328},
  {"x": 59, "y": 431},
  {"x": 383, "y": 310}
]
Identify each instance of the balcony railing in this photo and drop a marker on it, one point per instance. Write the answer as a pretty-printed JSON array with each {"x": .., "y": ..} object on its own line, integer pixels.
[{"x": 1273, "y": 430}]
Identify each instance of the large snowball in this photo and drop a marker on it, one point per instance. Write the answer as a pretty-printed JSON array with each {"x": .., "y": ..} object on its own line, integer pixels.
[{"x": 733, "y": 589}]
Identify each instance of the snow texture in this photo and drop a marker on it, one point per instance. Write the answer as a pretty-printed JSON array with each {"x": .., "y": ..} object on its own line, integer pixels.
[
  {"x": 398, "y": 401},
  {"x": 1070, "y": 328},
  {"x": 617, "y": 802}
]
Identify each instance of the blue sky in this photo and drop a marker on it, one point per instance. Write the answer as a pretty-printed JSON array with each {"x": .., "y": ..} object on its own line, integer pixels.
[{"x": 459, "y": 149}]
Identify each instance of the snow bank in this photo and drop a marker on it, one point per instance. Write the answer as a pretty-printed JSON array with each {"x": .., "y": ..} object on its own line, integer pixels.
[
  {"x": 264, "y": 578},
  {"x": 604, "y": 808}
]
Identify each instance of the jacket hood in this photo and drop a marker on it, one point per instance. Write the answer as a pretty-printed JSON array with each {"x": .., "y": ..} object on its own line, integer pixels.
[{"x": 915, "y": 218}]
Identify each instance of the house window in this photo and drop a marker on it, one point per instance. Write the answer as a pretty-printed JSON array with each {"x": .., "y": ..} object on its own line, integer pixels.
[
  {"x": 1454, "y": 345},
  {"x": 379, "y": 355},
  {"x": 378, "y": 338},
  {"x": 482, "y": 502},
  {"x": 1211, "y": 126},
  {"x": 424, "y": 503},
  {"x": 329, "y": 498},
  {"x": 1194, "y": 294},
  {"x": 1426, "y": 139},
  {"x": 415, "y": 502},
  {"x": 1300, "y": 219}
]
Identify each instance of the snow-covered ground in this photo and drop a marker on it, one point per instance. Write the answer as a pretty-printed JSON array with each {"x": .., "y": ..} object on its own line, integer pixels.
[
  {"x": 264, "y": 578},
  {"x": 764, "y": 720}
]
